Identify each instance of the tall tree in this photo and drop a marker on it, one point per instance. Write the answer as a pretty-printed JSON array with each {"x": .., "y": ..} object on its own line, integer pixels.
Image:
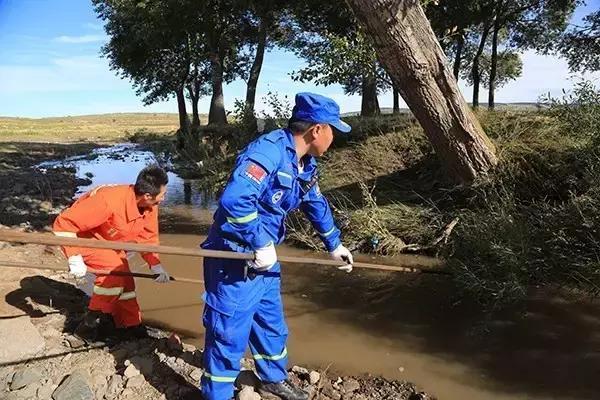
[
  {"x": 509, "y": 66},
  {"x": 580, "y": 45},
  {"x": 348, "y": 60},
  {"x": 407, "y": 46},
  {"x": 265, "y": 27},
  {"x": 528, "y": 24},
  {"x": 144, "y": 48}
]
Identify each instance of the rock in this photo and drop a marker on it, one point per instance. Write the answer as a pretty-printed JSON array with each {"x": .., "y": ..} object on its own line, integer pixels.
[
  {"x": 350, "y": 385},
  {"x": 196, "y": 374},
  {"x": 126, "y": 393},
  {"x": 248, "y": 393},
  {"x": 189, "y": 347},
  {"x": 51, "y": 332},
  {"x": 19, "y": 340},
  {"x": 115, "y": 385},
  {"x": 299, "y": 370},
  {"x": 131, "y": 371},
  {"x": 74, "y": 387},
  {"x": 30, "y": 391},
  {"x": 162, "y": 357},
  {"x": 135, "y": 382},
  {"x": 329, "y": 391},
  {"x": 313, "y": 377},
  {"x": 12, "y": 396},
  {"x": 45, "y": 391},
  {"x": 143, "y": 364},
  {"x": 74, "y": 342},
  {"x": 5, "y": 379},
  {"x": 97, "y": 380},
  {"x": 101, "y": 392},
  {"x": 24, "y": 377}
]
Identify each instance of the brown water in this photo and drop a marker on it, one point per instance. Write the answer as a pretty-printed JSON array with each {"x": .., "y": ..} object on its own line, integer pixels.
[{"x": 401, "y": 326}]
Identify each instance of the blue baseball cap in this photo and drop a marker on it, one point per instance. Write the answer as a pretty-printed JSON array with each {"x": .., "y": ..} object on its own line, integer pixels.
[{"x": 311, "y": 107}]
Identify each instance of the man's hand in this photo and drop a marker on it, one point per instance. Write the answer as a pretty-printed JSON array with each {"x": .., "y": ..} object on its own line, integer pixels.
[
  {"x": 264, "y": 258},
  {"x": 341, "y": 253},
  {"x": 77, "y": 267},
  {"x": 163, "y": 275}
]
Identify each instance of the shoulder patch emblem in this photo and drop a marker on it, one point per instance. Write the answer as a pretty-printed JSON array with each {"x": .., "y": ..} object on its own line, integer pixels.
[{"x": 255, "y": 172}]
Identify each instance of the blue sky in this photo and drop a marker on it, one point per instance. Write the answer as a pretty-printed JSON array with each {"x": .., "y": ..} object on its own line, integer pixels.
[{"x": 50, "y": 66}]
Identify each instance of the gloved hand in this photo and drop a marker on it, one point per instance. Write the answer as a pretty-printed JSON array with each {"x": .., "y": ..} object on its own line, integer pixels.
[
  {"x": 77, "y": 267},
  {"x": 341, "y": 253},
  {"x": 264, "y": 258},
  {"x": 163, "y": 275}
]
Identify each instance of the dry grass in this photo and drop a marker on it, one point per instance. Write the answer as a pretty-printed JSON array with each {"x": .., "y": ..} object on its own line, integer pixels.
[{"x": 97, "y": 128}]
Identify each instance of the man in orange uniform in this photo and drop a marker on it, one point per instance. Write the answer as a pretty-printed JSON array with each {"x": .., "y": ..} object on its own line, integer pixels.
[{"x": 124, "y": 213}]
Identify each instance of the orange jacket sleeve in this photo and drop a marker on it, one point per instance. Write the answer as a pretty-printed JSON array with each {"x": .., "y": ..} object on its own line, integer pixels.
[
  {"x": 84, "y": 215},
  {"x": 149, "y": 235}
]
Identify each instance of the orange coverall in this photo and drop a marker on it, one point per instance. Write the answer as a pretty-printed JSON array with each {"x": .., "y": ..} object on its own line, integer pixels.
[{"x": 110, "y": 213}]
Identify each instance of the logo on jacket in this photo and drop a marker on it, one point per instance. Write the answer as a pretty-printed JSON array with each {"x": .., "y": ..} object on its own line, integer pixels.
[
  {"x": 255, "y": 173},
  {"x": 277, "y": 196}
]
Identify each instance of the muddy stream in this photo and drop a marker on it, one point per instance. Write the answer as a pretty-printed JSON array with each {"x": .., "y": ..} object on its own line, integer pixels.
[{"x": 400, "y": 326}]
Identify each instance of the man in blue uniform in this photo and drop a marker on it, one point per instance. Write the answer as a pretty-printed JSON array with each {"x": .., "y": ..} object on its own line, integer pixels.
[{"x": 274, "y": 175}]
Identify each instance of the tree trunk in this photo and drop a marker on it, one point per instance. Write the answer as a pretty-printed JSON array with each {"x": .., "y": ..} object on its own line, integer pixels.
[
  {"x": 370, "y": 104},
  {"x": 184, "y": 120},
  {"x": 407, "y": 46},
  {"x": 187, "y": 192},
  {"x": 494, "y": 65},
  {"x": 460, "y": 43},
  {"x": 217, "y": 115},
  {"x": 256, "y": 65},
  {"x": 475, "y": 74},
  {"x": 396, "y": 101},
  {"x": 194, "y": 93}
]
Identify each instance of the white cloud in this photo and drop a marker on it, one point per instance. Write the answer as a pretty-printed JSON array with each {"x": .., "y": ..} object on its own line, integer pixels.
[
  {"x": 78, "y": 73},
  {"x": 80, "y": 39}
]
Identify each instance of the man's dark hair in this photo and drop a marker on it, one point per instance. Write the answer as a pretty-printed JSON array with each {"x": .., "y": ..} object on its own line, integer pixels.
[
  {"x": 150, "y": 180},
  {"x": 299, "y": 126}
]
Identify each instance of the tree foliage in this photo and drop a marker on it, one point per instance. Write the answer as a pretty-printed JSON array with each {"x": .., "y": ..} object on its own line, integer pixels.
[{"x": 581, "y": 45}]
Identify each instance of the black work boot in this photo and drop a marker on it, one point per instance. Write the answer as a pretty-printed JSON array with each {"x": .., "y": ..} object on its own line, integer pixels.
[
  {"x": 95, "y": 327},
  {"x": 133, "y": 332},
  {"x": 285, "y": 390}
]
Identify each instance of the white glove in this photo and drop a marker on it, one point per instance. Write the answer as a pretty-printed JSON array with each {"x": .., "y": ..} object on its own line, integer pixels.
[
  {"x": 163, "y": 276},
  {"x": 264, "y": 258},
  {"x": 341, "y": 253},
  {"x": 77, "y": 267}
]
